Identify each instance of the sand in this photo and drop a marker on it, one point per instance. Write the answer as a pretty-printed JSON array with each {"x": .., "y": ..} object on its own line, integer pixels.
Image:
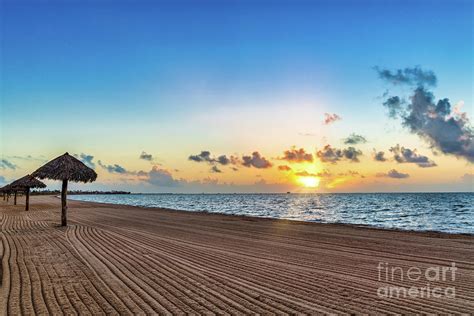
[{"x": 127, "y": 260}]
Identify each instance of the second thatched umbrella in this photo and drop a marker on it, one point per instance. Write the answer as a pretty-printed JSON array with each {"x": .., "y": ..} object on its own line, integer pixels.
[
  {"x": 65, "y": 168},
  {"x": 25, "y": 184},
  {"x": 4, "y": 191}
]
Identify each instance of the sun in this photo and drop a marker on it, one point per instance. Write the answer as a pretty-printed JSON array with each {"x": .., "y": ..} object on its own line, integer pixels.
[{"x": 309, "y": 182}]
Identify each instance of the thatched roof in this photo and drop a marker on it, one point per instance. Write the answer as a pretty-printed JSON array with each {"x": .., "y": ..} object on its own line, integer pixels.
[
  {"x": 66, "y": 167},
  {"x": 27, "y": 182},
  {"x": 7, "y": 188}
]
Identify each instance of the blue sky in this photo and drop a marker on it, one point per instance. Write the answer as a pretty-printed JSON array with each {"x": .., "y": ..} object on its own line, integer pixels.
[{"x": 78, "y": 75}]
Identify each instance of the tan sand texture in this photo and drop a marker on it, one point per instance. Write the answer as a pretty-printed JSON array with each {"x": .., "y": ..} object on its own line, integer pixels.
[{"x": 129, "y": 260}]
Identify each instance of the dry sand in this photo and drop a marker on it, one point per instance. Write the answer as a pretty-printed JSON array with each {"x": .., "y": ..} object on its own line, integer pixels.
[{"x": 129, "y": 260}]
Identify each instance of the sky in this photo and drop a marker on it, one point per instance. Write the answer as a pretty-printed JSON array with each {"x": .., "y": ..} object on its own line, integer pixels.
[{"x": 241, "y": 96}]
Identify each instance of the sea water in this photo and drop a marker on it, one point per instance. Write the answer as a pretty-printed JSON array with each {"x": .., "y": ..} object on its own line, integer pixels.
[{"x": 444, "y": 212}]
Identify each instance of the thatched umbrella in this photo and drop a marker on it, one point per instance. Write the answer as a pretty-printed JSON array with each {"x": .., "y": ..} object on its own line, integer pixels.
[
  {"x": 25, "y": 184},
  {"x": 6, "y": 191},
  {"x": 65, "y": 168}
]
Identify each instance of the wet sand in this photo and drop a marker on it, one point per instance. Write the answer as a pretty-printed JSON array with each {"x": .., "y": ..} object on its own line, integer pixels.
[{"x": 126, "y": 260}]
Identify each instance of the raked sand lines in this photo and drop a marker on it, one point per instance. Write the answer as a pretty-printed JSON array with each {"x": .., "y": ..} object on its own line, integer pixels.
[{"x": 126, "y": 260}]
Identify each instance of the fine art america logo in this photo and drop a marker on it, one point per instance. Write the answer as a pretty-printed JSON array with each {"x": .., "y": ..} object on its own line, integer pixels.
[{"x": 426, "y": 276}]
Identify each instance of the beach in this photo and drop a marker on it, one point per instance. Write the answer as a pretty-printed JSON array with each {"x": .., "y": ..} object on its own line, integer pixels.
[{"x": 115, "y": 259}]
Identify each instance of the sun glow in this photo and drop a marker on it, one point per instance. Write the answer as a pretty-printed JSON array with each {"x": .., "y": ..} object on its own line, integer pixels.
[{"x": 309, "y": 182}]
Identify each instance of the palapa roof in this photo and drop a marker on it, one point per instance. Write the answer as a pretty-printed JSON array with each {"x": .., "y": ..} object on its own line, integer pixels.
[
  {"x": 27, "y": 182},
  {"x": 66, "y": 167},
  {"x": 7, "y": 188}
]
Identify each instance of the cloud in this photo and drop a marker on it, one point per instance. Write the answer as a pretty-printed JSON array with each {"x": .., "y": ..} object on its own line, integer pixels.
[
  {"x": 322, "y": 174},
  {"x": 145, "y": 156},
  {"x": 205, "y": 156},
  {"x": 333, "y": 155},
  {"x": 446, "y": 130},
  {"x": 297, "y": 155},
  {"x": 329, "y": 154},
  {"x": 113, "y": 168},
  {"x": 224, "y": 160},
  {"x": 331, "y": 118},
  {"x": 29, "y": 158},
  {"x": 351, "y": 173},
  {"x": 162, "y": 178},
  {"x": 305, "y": 174},
  {"x": 355, "y": 139},
  {"x": 408, "y": 76},
  {"x": 215, "y": 169},
  {"x": 406, "y": 155},
  {"x": 394, "y": 105},
  {"x": 256, "y": 160},
  {"x": 351, "y": 154},
  {"x": 163, "y": 181},
  {"x": 284, "y": 168},
  {"x": 379, "y": 156},
  {"x": 86, "y": 159},
  {"x": 5, "y": 164},
  {"x": 3, "y": 180},
  {"x": 393, "y": 174}
]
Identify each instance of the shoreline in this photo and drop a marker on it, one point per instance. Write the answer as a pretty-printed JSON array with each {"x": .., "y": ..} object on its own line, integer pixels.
[
  {"x": 434, "y": 232},
  {"x": 120, "y": 259}
]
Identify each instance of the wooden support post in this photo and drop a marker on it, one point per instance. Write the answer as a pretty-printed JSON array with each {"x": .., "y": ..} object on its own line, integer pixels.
[
  {"x": 64, "y": 204},
  {"x": 27, "y": 199}
]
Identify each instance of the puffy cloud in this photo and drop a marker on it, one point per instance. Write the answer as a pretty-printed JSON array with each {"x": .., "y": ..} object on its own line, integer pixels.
[
  {"x": 297, "y": 155},
  {"x": 408, "y": 76},
  {"x": 256, "y": 161},
  {"x": 204, "y": 156},
  {"x": 446, "y": 130},
  {"x": 86, "y": 159},
  {"x": 5, "y": 164},
  {"x": 162, "y": 178},
  {"x": 145, "y": 156},
  {"x": 379, "y": 156},
  {"x": 331, "y": 118},
  {"x": 394, "y": 174},
  {"x": 351, "y": 154},
  {"x": 329, "y": 154},
  {"x": 394, "y": 105},
  {"x": 284, "y": 168},
  {"x": 224, "y": 160},
  {"x": 355, "y": 139},
  {"x": 406, "y": 155},
  {"x": 333, "y": 155},
  {"x": 113, "y": 168},
  {"x": 215, "y": 169}
]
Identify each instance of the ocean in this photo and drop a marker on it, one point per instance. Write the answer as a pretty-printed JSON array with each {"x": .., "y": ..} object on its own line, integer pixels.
[{"x": 443, "y": 212}]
